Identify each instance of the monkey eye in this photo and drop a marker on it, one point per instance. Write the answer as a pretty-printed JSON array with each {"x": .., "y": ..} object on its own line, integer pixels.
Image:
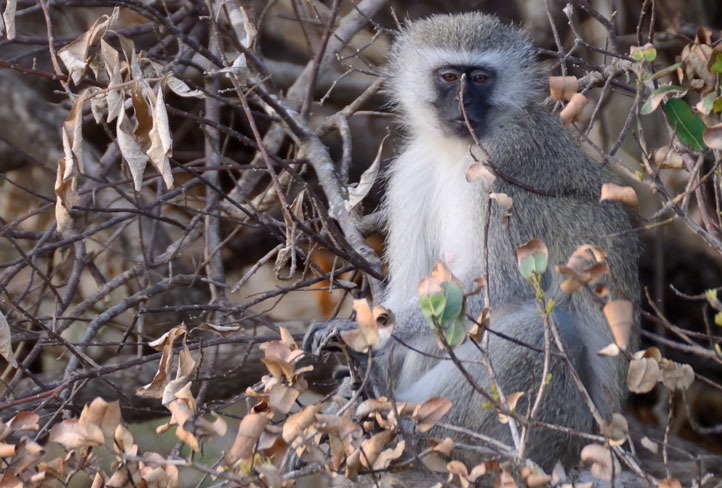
[
  {"x": 449, "y": 76},
  {"x": 479, "y": 78}
]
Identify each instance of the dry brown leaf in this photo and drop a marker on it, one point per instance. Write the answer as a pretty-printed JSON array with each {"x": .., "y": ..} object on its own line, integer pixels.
[
  {"x": 9, "y": 18},
  {"x": 287, "y": 338},
  {"x": 6, "y": 450},
  {"x": 131, "y": 149},
  {"x": 186, "y": 367},
  {"x": 114, "y": 96},
  {"x": 183, "y": 408},
  {"x": 282, "y": 398},
  {"x": 429, "y": 285},
  {"x": 667, "y": 158},
  {"x": 181, "y": 89},
  {"x": 669, "y": 483},
  {"x": 563, "y": 87},
  {"x": 357, "y": 193},
  {"x": 372, "y": 405},
  {"x": 389, "y": 455},
  {"x": 101, "y": 414},
  {"x": 505, "y": 479},
  {"x": 601, "y": 461},
  {"x": 164, "y": 343},
  {"x": 428, "y": 413},
  {"x": 617, "y": 430},
  {"x": 477, "y": 471},
  {"x": 9, "y": 480},
  {"x": 478, "y": 171},
  {"x": 695, "y": 60},
  {"x": 511, "y": 400},
  {"x": 611, "y": 350},
  {"x": 270, "y": 475},
  {"x": 445, "y": 447},
  {"x": 249, "y": 432},
  {"x": 21, "y": 421},
  {"x": 123, "y": 441},
  {"x": 369, "y": 450},
  {"x": 622, "y": 194},
  {"x": 75, "y": 54},
  {"x": 459, "y": 469},
  {"x": 504, "y": 200},
  {"x": 72, "y": 434},
  {"x": 574, "y": 108},
  {"x": 712, "y": 136},
  {"x": 280, "y": 359},
  {"x": 161, "y": 141},
  {"x": 676, "y": 376},
  {"x": 650, "y": 445},
  {"x": 643, "y": 374},
  {"x": 6, "y": 345},
  {"x": 299, "y": 421},
  {"x": 650, "y": 352},
  {"x": 620, "y": 316},
  {"x": 537, "y": 480}
]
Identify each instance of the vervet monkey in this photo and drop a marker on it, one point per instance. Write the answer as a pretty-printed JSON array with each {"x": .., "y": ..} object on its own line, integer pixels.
[{"x": 433, "y": 212}]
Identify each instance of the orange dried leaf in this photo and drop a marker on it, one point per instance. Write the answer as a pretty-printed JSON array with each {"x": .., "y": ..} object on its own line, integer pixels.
[
  {"x": 299, "y": 421},
  {"x": 511, "y": 400},
  {"x": 669, "y": 483},
  {"x": 428, "y": 413},
  {"x": 620, "y": 316},
  {"x": 445, "y": 447},
  {"x": 282, "y": 398},
  {"x": 574, "y": 108},
  {"x": 249, "y": 432},
  {"x": 72, "y": 434},
  {"x": 389, "y": 455},
  {"x": 563, "y": 87},
  {"x": 622, "y": 194},
  {"x": 102, "y": 414}
]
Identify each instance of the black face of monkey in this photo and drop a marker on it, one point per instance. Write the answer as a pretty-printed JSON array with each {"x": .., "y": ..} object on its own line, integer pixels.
[{"x": 476, "y": 83}]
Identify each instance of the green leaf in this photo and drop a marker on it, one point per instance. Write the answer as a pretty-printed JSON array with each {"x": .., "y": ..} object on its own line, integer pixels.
[
  {"x": 706, "y": 105},
  {"x": 688, "y": 126},
  {"x": 527, "y": 266},
  {"x": 432, "y": 306},
  {"x": 656, "y": 97},
  {"x": 540, "y": 263},
  {"x": 549, "y": 378},
  {"x": 663, "y": 72},
  {"x": 716, "y": 66},
  {"x": 455, "y": 333},
  {"x": 649, "y": 54},
  {"x": 717, "y": 105},
  {"x": 718, "y": 319},
  {"x": 550, "y": 306},
  {"x": 454, "y": 297}
]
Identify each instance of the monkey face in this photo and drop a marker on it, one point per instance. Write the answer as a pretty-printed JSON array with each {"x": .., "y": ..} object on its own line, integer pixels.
[{"x": 463, "y": 95}]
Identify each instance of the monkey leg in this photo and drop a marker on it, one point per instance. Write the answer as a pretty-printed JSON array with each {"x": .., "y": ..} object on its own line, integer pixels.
[{"x": 516, "y": 351}]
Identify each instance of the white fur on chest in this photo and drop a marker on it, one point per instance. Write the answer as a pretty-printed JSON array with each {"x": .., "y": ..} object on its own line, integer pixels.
[{"x": 434, "y": 213}]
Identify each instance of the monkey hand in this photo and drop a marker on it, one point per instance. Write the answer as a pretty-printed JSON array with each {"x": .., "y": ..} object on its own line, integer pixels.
[{"x": 326, "y": 336}]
